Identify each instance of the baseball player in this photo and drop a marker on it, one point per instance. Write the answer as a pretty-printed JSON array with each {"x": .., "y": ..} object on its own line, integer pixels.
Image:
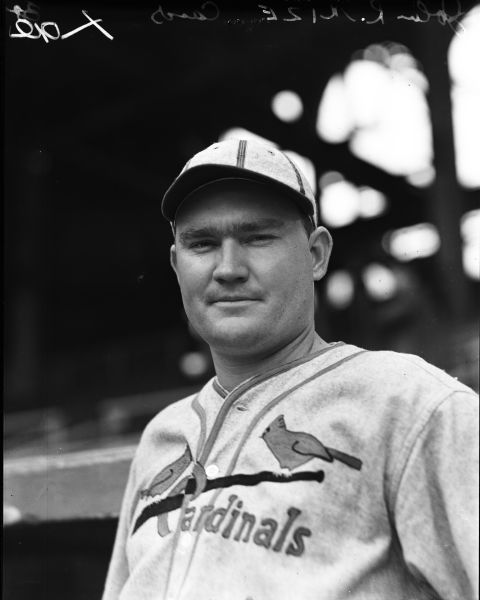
[{"x": 304, "y": 469}]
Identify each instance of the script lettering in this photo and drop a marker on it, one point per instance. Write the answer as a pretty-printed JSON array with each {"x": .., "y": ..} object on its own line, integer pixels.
[
  {"x": 291, "y": 10},
  {"x": 376, "y": 7},
  {"x": 268, "y": 11},
  {"x": 423, "y": 15},
  {"x": 209, "y": 12},
  {"x": 27, "y": 27}
]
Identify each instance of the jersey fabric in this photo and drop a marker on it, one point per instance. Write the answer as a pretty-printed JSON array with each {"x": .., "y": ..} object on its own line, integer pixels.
[{"x": 347, "y": 474}]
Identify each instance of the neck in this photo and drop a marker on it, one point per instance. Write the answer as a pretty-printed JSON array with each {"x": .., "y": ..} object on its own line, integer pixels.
[{"x": 232, "y": 370}]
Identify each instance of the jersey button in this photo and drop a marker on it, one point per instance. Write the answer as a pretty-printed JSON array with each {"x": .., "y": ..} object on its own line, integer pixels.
[{"x": 212, "y": 470}]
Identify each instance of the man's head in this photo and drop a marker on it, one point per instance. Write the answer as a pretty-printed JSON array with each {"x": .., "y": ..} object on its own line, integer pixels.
[{"x": 246, "y": 257}]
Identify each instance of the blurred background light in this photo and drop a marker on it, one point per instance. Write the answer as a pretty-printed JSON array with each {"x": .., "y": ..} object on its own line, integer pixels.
[
  {"x": 470, "y": 226},
  {"x": 329, "y": 177},
  {"x": 372, "y": 203},
  {"x": 341, "y": 202},
  {"x": 380, "y": 282},
  {"x": 471, "y": 264},
  {"x": 194, "y": 364},
  {"x": 422, "y": 178},
  {"x": 464, "y": 51},
  {"x": 340, "y": 289},
  {"x": 366, "y": 86},
  {"x": 409, "y": 243},
  {"x": 287, "y": 106},
  {"x": 470, "y": 232},
  {"x": 379, "y": 105},
  {"x": 463, "y": 62},
  {"x": 334, "y": 121}
]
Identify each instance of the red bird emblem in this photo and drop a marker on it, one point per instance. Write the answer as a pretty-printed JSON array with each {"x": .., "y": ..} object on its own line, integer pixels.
[
  {"x": 294, "y": 448},
  {"x": 169, "y": 475}
]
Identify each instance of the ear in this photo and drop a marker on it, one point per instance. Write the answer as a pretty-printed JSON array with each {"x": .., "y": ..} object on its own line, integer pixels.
[
  {"x": 173, "y": 258},
  {"x": 320, "y": 244}
]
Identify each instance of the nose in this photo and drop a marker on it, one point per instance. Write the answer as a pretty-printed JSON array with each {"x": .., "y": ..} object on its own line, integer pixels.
[{"x": 231, "y": 265}]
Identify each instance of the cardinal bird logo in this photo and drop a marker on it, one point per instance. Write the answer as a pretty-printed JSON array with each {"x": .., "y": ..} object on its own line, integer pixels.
[
  {"x": 168, "y": 475},
  {"x": 294, "y": 448}
]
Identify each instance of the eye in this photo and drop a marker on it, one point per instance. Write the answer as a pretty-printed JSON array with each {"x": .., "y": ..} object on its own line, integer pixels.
[
  {"x": 260, "y": 238},
  {"x": 201, "y": 245}
]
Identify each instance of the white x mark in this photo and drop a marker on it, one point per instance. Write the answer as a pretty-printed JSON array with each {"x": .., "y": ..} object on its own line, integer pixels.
[{"x": 91, "y": 22}]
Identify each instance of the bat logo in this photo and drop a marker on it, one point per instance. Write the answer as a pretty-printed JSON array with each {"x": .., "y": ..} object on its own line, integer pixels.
[{"x": 294, "y": 448}]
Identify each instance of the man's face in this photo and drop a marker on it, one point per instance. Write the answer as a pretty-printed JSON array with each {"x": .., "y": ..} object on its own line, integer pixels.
[{"x": 245, "y": 267}]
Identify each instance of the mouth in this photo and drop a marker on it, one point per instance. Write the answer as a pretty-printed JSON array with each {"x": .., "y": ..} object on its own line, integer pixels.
[
  {"x": 233, "y": 299},
  {"x": 236, "y": 302}
]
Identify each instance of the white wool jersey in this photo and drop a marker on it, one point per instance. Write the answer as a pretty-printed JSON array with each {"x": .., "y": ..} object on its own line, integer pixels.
[{"x": 347, "y": 474}]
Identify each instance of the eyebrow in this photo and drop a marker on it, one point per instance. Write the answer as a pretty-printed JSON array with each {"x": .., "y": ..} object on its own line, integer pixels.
[{"x": 231, "y": 230}]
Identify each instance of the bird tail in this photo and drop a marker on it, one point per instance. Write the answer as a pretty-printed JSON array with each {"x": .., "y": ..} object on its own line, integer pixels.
[{"x": 351, "y": 461}]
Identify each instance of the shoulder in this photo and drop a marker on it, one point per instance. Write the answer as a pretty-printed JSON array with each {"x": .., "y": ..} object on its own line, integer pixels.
[
  {"x": 401, "y": 372},
  {"x": 175, "y": 414},
  {"x": 407, "y": 409},
  {"x": 396, "y": 396},
  {"x": 176, "y": 421}
]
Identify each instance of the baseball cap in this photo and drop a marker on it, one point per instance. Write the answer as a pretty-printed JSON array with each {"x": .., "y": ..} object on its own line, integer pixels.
[{"x": 246, "y": 159}]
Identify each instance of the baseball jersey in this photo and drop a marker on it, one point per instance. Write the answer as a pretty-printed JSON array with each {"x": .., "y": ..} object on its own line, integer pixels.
[{"x": 345, "y": 474}]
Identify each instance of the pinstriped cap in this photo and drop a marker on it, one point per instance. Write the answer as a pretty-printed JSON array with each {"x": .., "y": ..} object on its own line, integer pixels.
[{"x": 246, "y": 159}]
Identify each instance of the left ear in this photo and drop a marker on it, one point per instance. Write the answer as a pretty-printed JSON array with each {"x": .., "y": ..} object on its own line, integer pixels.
[{"x": 320, "y": 244}]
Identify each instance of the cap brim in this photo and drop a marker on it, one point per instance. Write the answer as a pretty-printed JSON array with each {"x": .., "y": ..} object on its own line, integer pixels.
[{"x": 200, "y": 175}]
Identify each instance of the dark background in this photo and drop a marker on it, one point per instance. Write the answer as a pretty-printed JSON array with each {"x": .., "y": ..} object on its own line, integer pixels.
[{"x": 95, "y": 131}]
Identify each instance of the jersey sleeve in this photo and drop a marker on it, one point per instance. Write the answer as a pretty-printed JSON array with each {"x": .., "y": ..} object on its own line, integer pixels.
[
  {"x": 118, "y": 570},
  {"x": 436, "y": 507}
]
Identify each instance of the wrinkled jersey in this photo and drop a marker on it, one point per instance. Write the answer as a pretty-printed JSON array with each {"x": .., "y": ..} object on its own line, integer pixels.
[{"x": 347, "y": 474}]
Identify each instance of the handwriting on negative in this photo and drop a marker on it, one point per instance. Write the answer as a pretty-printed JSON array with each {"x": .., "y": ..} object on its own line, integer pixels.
[
  {"x": 208, "y": 11},
  {"x": 27, "y": 27},
  {"x": 423, "y": 15},
  {"x": 373, "y": 13}
]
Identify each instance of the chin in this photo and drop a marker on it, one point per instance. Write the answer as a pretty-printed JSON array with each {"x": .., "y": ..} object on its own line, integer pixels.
[{"x": 236, "y": 339}]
